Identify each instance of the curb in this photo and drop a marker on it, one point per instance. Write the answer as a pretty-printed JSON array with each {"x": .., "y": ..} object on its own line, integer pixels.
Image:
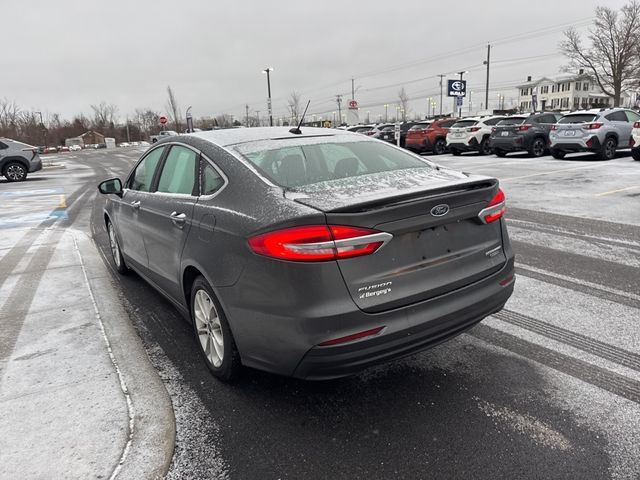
[{"x": 152, "y": 426}]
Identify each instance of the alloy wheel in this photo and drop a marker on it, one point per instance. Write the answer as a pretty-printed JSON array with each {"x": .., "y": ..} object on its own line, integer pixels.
[
  {"x": 538, "y": 148},
  {"x": 15, "y": 172},
  {"x": 208, "y": 327},
  {"x": 115, "y": 248}
]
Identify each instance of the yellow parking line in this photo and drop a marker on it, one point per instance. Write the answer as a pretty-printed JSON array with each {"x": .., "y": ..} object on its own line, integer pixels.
[
  {"x": 63, "y": 202},
  {"x": 616, "y": 191},
  {"x": 552, "y": 172}
]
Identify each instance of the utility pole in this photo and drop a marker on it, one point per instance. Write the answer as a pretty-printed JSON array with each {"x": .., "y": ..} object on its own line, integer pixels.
[
  {"x": 339, "y": 100},
  {"x": 386, "y": 113},
  {"x": 128, "y": 136},
  {"x": 258, "y": 117},
  {"x": 486, "y": 62},
  {"x": 247, "y": 110},
  {"x": 268, "y": 70},
  {"x": 353, "y": 92},
  {"x": 441, "y": 77}
]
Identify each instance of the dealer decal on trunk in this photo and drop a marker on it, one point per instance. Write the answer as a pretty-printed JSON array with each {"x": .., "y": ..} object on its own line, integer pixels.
[{"x": 374, "y": 290}]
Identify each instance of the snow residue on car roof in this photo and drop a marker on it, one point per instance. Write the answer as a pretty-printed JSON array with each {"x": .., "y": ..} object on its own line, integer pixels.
[{"x": 233, "y": 136}]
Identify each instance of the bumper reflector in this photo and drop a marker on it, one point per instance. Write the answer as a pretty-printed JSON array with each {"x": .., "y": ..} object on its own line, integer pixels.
[{"x": 351, "y": 338}]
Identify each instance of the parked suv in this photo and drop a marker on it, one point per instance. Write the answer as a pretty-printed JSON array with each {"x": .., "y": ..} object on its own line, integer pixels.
[
  {"x": 472, "y": 134},
  {"x": 635, "y": 136},
  {"x": 528, "y": 133},
  {"x": 601, "y": 131},
  {"x": 17, "y": 159},
  {"x": 429, "y": 136}
]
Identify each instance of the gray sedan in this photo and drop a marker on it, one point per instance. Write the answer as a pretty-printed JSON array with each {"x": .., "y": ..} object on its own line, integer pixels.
[{"x": 312, "y": 254}]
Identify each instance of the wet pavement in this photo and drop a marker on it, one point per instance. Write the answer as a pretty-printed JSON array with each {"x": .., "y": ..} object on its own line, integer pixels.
[{"x": 548, "y": 388}]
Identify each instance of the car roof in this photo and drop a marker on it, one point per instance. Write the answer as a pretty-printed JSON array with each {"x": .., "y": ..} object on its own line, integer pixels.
[{"x": 233, "y": 136}]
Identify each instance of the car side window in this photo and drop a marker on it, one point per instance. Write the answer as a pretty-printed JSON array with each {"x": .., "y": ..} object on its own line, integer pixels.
[
  {"x": 3, "y": 146},
  {"x": 492, "y": 121},
  {"x": 632, "y": 116},
  {"x": 179, "y": 171},
  {"x": 447, "y": 124},
  {"x": 547, "y": 119},
  {"x": 143, "y": 175},
  {"x": 212, "y": 181},
  {"x": 618, "y": 116}
]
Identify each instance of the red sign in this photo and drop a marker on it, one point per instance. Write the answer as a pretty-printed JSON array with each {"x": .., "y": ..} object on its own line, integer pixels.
[
  {"x": 163, "y": 120},
  {"x": 353, "y": 104}
]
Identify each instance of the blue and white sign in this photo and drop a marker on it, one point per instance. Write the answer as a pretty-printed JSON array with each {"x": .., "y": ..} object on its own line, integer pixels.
[{"x": 456, "y": 88}]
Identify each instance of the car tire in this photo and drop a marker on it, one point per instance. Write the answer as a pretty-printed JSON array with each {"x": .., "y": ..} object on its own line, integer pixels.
[
  {"x": 500, "y": 153},
  {"x": 635, "y": 153},
  {"x": 538, "y": 147},
  {"x": 557, "y": 154},
  {"x": 116, "y": 252},
  {"x": 455, "y": 152},
  {"x": 213, "y": 335},
  {"x": 15, "y": 172},
  {"x": 440, "y": 147},
  {"x": 485, "y": 147},
  {"x": 608, "y": 149}
]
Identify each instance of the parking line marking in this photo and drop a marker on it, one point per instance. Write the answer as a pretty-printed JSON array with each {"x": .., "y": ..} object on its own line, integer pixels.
[
  {"x": 616, "y": 191},
  {"x": 552, "y": 172}
]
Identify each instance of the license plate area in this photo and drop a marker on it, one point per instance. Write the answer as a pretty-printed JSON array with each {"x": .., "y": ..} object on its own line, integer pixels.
[
  {"x": 505, "y": 134},
  {"x": 570, "y": 133}
]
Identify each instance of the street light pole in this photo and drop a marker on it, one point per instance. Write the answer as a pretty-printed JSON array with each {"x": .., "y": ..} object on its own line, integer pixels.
[
  {"x": 268, "y": 70},
  {"x": 441, "y": 77},
  {"x": 460, "y": 109},
  {"x": 486, "y": 62},
  {"x": 386, "y": 113}
]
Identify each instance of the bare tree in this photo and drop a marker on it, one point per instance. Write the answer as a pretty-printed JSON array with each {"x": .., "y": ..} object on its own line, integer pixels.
[
  {"x": 613, "y": 59},
  {"x": 173, "y": 109},
  {"x": 294, "y": 106},
  {"x": 224, "y": 121},
  {"x": 104, "y": 115},
  {"x": 404, "y": 103}
]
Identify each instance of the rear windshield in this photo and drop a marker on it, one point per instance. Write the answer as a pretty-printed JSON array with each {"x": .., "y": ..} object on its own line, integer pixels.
[
  {"x": 464, "y": 123},
  {"x": 512, "y": 121},
  {"x": 307, "y": 163},
  {"x": 420, "y": 126},
  {"x": 579, "y": 118}
]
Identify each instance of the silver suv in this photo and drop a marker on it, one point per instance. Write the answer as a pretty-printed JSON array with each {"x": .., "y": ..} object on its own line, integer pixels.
[
  {"x": 601, "y": 131},
  {"x": 17, "y": 159}
]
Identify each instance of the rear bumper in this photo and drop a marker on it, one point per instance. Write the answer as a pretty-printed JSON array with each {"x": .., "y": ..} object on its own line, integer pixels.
[
  {"x": 591, "y": 144},
  {"x": 35, "y": 164},
  {"x": 513, "y": 144},
  {"x": 418, "y": 145},
  {"x": 281, "y": 332},
  {"x": 469, "y": 145}
]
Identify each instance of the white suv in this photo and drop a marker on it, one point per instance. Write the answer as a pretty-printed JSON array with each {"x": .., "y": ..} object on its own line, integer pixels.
[
  {"x": 635, "y": 136},
  {"x": 472, "y": 134}
]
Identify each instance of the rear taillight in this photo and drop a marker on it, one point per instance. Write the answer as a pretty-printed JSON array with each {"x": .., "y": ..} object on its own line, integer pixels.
[
  {"x": 632, "y": 142},
  {"x": 370, "y": 132},
  {"x": 495, "y": 210},
  {"x": 493, "y": 129},
  {"x": 636, "y": 125},
  {"x": 593, "y": 126},
  {"x": 524, "y": 128},
  {"x": 319, "y": 243},
  {"x": 473, "y": 129},
  {"x": 554, "y": 127}
]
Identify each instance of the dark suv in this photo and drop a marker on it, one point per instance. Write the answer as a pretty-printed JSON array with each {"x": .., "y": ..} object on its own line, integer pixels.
[
  {"x": 388, "y": 133},
  {"x": 429, "y": 136},
  {"x": 528, "y": 133}
]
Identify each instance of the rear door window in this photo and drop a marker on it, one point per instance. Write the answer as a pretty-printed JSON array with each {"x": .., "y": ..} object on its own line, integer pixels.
[
  {"x": 179, "y": 172},
  {"x": 212, "y": 181},
  {"x": 492, "y": 121},
  {"x": 447, "y": 123},
  {"x": 619, "y": 116},
  {"x": 547, "y": 119},
  {"x": 142, "y": 177}
]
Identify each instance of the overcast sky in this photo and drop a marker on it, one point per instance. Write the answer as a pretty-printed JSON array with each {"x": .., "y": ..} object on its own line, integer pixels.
[{"x": 62, "y": 56}]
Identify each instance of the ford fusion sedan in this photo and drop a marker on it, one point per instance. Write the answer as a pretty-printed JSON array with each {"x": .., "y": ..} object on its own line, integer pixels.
[{"x": 312, "y": 254}]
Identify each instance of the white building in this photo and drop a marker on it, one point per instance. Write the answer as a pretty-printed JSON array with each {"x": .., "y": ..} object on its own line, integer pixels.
[{"x": 566, "y": 92}]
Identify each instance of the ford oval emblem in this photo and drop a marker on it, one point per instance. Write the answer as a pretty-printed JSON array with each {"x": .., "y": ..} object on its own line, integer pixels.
[{"x": 440, "y": 210}]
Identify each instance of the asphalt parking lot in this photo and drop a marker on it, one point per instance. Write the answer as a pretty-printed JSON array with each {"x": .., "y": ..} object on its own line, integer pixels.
[{"x": 547, "y": 388}]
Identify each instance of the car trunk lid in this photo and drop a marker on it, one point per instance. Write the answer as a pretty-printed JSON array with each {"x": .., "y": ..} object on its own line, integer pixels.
[{"x": 439, "y": 243}]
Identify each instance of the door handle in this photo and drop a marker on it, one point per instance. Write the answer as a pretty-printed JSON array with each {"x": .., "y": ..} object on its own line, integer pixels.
[
  {"x": 135, "y": 205},
  {"x": 178, "y": 219}
]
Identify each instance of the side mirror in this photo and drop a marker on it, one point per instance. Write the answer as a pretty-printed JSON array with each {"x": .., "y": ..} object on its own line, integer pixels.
[{"x": 113, "y": 185}]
